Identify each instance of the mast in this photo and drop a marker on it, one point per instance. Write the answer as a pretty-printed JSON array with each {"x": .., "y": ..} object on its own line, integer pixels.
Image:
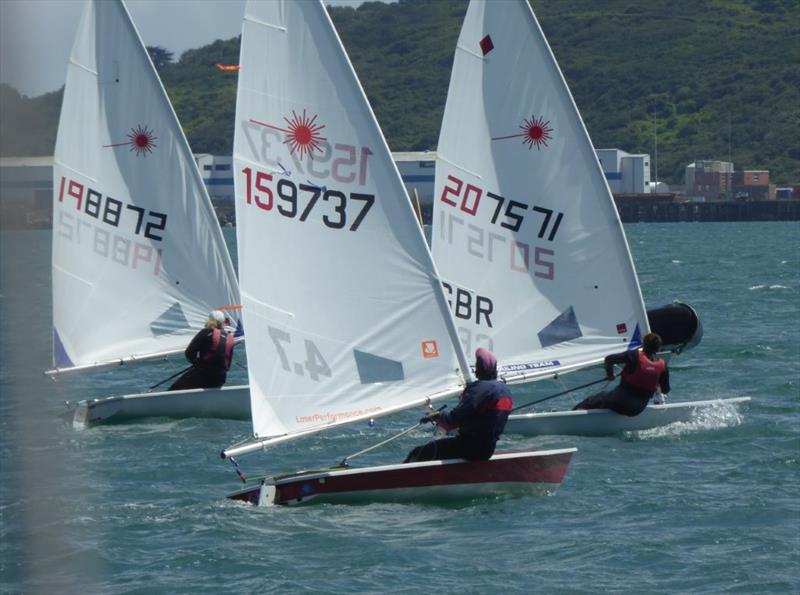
[{"x": 655, "y": 144}]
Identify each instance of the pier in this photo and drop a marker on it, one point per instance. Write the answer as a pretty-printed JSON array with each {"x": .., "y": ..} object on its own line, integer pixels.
[{"x": 670, "y": 210}]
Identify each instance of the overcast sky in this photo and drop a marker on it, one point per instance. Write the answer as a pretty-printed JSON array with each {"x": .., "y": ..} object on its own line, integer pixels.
[{"x": 36, "y": 36}]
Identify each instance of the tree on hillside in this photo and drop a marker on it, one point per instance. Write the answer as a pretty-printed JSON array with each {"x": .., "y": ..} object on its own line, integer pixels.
[
  {"x": 28, "y": 125},
  {"x": 160, "y": 56}
]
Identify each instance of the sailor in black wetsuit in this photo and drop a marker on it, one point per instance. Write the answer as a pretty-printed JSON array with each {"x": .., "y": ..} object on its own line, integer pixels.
[
  {"x": 480, "y": 417},
  {"x": 210, "y": 352},
  {"x": 644, "y": 374}
]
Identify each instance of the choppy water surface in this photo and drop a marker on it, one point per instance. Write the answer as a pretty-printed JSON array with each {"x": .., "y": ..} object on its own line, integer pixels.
[{"x": 708, "y": 506}]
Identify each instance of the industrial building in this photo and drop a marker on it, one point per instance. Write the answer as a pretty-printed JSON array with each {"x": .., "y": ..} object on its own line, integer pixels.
[
  {"x": 718, "y": 180},
  {"x": 627, "y": 173}
]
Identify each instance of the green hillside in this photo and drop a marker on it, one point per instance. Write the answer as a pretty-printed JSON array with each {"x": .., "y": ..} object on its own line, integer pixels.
[{"x": 718, "y": 75}]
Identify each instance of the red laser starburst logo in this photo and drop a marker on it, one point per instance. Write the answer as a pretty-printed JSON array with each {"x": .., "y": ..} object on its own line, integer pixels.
[
  {"x": 535, "y": 132},
  {"x": 140, "y": 139},
  {"x": 302, "y": 133}
]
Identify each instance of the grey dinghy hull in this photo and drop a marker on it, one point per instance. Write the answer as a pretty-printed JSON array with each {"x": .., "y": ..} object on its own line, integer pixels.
[
  {"x": 604, "y": 422},
  {"x": 228, "y": 402}
]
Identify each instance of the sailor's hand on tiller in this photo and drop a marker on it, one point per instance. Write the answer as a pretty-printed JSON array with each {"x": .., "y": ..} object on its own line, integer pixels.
[{"x": 430, "y": 418}]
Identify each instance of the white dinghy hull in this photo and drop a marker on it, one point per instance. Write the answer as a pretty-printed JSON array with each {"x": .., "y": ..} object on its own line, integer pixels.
[
  {"x": 228, "y": 402},
  {"x": 604, "y": 422},
  {"x": 505, "y": 474}
]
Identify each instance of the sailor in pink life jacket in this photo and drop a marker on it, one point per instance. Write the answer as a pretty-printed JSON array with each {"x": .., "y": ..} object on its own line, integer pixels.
[
  {"x": 644, "y": 375},
  {"x": 210, "y": 352}
]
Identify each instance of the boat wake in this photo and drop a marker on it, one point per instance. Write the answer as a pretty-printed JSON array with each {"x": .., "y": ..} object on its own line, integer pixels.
[
  {"x": 713, "y": 417},
  {"x": 775, "y": 286}
]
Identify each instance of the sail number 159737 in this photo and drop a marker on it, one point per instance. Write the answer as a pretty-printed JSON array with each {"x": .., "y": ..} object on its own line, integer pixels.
[{"x": 338, "y": 209}]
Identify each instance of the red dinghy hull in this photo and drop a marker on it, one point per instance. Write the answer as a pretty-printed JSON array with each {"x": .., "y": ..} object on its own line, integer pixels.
[{"x": 510, "y": 473}]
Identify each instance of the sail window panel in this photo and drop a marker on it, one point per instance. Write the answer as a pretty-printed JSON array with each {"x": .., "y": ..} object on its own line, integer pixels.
[
  {"x": 171, "y": 321},
  {"x": 374, "y": 368},
  {"x": 564, "y": 328}
]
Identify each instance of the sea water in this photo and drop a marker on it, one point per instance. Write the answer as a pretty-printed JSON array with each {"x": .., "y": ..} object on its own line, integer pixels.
[{"x": 710, "y": 506}]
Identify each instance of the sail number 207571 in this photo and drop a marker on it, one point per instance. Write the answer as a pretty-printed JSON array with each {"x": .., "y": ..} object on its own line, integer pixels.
[
  {"x": 534, "y": 256},
  {"x": 513, "y": 215},
  {"x": 299, "y": 200}
]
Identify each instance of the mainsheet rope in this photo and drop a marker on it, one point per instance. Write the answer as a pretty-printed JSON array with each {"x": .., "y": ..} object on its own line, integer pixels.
[
  {"x": 343, "y": 463},
  {"x": 588, "y": 384}
]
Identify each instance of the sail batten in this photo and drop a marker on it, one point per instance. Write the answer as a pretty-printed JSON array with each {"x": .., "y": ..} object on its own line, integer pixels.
[
  {"x": 82, "y": 66},
  {"x": 525, "y": 232},
  {"x": 264, "y": 24},
  {"x": 344, "y": 310},
  {"x": 458, "y": 166},
  {"x": 134, "y": 231},
  {"x": 66, "y": 166}
]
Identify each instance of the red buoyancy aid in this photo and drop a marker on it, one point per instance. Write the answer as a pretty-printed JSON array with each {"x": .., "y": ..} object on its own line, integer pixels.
[
  {"x": 494, "y": 405},
  {"x": 220, "y": 350},
  {"x": 646, "y": 375},
  {"x": 502, "y": 404}
]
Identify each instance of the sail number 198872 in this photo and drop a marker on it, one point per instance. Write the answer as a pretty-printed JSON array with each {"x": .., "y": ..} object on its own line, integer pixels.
[{"x": 111, "y": 211}]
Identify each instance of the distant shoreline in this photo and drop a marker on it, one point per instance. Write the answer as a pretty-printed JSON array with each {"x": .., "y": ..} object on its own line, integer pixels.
[{"x": 23, "y": 217}]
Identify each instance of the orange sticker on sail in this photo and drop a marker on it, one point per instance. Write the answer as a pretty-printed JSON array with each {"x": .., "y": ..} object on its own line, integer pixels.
[{"x": 430, "y": 349}]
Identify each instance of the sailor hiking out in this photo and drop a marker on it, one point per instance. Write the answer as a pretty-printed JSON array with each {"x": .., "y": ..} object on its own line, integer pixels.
[
  {"x": 210, "y": 352},
  {"x": 643, "y": 376}
]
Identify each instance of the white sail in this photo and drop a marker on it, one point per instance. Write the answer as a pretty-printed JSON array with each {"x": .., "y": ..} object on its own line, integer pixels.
[
  {"x": 345, "y": 314},
  {"x": 138, "y": 256},
  {"x": 525, "y": 232}
]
